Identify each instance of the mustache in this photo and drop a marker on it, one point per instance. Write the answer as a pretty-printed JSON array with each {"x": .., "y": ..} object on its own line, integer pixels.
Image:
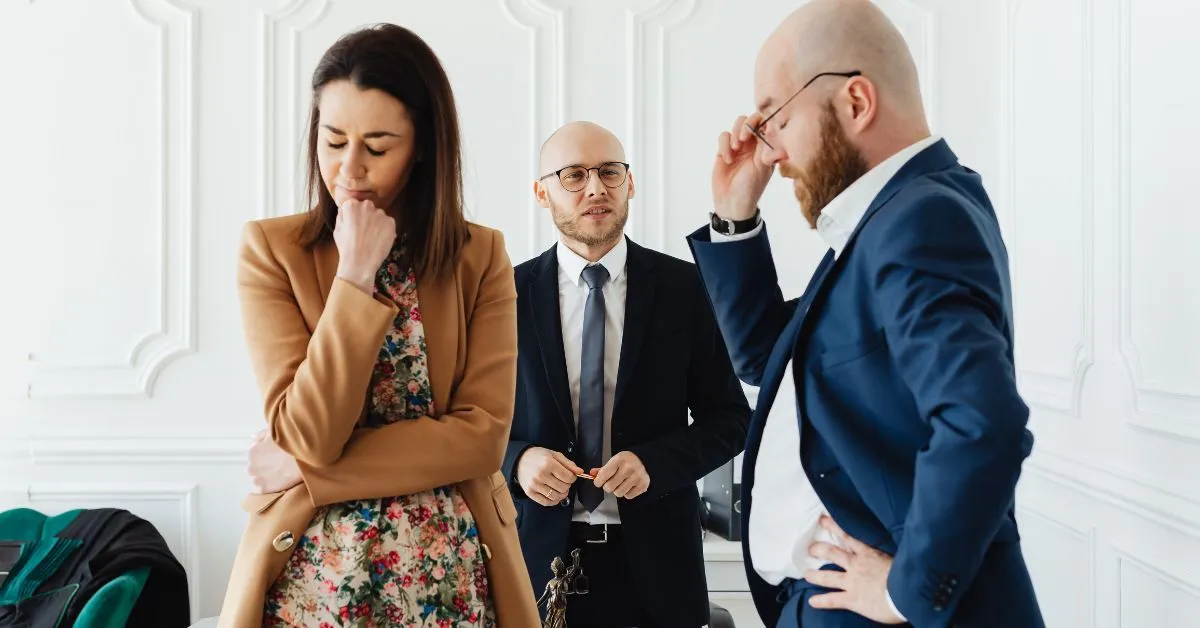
[{"x": 789, "y": 172}]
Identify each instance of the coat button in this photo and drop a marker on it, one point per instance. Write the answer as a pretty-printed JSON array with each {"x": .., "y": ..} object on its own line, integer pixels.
[
  {"x": 487, "y": 552},
  {"x": 283, "y": 542}
]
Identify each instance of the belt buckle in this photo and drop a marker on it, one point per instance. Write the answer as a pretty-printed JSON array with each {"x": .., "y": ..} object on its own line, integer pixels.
[{"x": 604, "y": 532}]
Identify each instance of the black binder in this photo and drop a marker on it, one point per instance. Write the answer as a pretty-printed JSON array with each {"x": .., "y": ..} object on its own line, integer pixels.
[{"x": 722, "y": 501}]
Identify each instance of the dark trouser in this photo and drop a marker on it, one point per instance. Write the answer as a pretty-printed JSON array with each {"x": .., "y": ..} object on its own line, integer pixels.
[
  {"x": 798, "y": 612},
  {"x": 612, "y": 600}
]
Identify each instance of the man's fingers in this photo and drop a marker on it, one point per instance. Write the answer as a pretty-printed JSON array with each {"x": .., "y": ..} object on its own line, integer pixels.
[
  {"x": 856, "y": 546},
  {"x": 556, "y": 485},
  {"x": 549, "y": 482},
  {"x": 625, "y": 486},
  {"x": 724, "y": 152},
  {"x": 737, "y": 133},
  {"x": 837, "y": 599},
  {"x": 607, "y": 472},
  {"x": 557, "y": 475},
  {"x": 826, "y": 578},
  {"x": 568, "y": 466},
  {"x": 831, "y": 553},
  {"x": 616, "y": 480}
]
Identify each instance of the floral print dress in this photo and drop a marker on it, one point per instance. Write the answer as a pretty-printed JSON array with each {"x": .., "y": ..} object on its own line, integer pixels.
[{"x": 411, "y": 561}]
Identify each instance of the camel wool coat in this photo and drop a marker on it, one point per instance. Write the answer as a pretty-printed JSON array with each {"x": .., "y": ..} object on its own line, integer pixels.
[{"x": 313, "y": 341}]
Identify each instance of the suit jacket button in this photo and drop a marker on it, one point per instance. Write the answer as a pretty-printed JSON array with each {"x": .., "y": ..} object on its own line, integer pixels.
[
  {"x": 487, "y": 552},
  {"x": 939, "y": 608},
  {"x": 283, "y": 542}
]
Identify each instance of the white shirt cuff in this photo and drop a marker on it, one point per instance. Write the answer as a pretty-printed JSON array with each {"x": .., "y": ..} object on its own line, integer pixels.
[
  {"x": 717, "y": 236},
  {"x": 893, "y": 605}
]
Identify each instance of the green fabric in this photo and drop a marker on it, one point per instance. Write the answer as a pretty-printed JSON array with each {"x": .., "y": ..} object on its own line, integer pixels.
[
  {"x": 24, "y": 524},
  {"x": 43, "y": 553},
  {"x": 111, "y": 605},
  {"x": 39, "y": 560}
]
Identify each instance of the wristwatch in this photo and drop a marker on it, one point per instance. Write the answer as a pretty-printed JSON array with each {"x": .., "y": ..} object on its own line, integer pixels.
[{"x": 734, "y": 227}]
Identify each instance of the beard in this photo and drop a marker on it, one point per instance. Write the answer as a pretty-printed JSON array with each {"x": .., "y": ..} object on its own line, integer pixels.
[
  {"x": 573, "y": 226},
  {"x": 837, "y": 164}
]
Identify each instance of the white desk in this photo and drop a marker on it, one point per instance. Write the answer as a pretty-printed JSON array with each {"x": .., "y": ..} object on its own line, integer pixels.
[{"x": 727, "y": 584}]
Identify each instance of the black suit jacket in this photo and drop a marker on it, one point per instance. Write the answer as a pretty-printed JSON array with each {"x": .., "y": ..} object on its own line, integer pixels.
[{"x": 673, "y": 360}]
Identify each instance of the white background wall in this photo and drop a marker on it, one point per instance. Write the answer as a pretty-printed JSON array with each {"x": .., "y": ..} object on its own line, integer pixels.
[{"x": 138, "y": 136}]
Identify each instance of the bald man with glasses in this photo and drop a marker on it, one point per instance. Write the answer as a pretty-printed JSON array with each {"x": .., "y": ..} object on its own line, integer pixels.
[
  {"x": 617, "y": 348},
  {"x": 887, "y": 496}
]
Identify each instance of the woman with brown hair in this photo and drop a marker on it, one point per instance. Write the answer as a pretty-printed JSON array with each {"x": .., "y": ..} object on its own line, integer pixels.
[{"x": 381, "y": 330}]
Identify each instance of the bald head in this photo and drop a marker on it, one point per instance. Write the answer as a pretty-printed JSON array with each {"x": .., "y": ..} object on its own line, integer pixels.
[
  {"x": 580, "y": 143},
  {"x": 840, "y": 36}
]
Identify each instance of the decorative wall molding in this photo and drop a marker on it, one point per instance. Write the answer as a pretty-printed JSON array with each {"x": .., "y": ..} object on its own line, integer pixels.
[
  {"x": 80, "y": 494},
  {"x": 1128, "y": 491},
  {"x": 546, "y": 27},
  {"x": 159, "y": 450},
  {"x": 1156, "y": 408},
  {"x": 280, "y": 181},
  {"x": 646, "y": 99},
  {"x": 174, "y": 335},
  {"x": 1128, "y": 561},
  {"x": 1085, "y": 535},
  {"x": 1059, "y": 392}
]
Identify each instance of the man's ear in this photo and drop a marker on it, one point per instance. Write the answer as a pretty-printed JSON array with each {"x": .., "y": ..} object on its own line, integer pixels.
[
  {"x": 541, "y": 194},
  {"x": 629, "y": 175}
]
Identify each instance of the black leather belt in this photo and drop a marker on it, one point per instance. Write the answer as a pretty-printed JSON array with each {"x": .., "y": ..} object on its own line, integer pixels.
[{"x": 595, "y": 533}]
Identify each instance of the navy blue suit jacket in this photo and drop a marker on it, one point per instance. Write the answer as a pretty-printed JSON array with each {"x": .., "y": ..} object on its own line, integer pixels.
[
  {"x": 912, "y": 429},
  {"x": 673, "y": 360}
]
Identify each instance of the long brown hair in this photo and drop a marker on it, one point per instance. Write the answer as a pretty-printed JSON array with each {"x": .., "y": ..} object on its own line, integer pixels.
[{"x": 429, "y": 210}]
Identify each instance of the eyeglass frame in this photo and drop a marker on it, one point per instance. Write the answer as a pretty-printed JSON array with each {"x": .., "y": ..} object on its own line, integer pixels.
[
  {"x": 558, "y": 175},
  {"x": 759, "y": 134}
]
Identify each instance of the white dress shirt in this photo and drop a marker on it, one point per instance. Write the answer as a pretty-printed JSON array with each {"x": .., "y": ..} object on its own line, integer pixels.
[
  {"x": 572, "y": 296},
  {"x": 782, "y": 493}
]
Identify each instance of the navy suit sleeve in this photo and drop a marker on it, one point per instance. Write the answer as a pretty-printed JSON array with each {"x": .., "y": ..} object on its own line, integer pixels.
[
  {"x": 743, "y": 290},
  {"x": 518, "y": 436},
  {"x": 720, "y": 413},
  {"x": 516, "y": 447},
  {"x": 942, "y": 293}
]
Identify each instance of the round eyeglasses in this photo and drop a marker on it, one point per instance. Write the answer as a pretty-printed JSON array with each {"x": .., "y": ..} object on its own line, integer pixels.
[{"x": 575, "y": 178}]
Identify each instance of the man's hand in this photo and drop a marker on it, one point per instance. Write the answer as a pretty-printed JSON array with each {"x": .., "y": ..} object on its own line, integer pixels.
[
  {"x": 271, "y": 469},
  {"x": 739, "y": 173},
  {"x": 546, "y": 476},
  {"x": 862, "y": 587},
  {"x": 623, "y": 475}
]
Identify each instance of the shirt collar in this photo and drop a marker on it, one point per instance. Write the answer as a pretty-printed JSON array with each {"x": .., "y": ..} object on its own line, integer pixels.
[
  {"x": 571, "y": 264},
  {"x": 841, "y": 216}
]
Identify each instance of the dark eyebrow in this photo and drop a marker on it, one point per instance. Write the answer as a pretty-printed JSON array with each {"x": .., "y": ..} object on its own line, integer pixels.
[
  {"x": 371, "y": 135},
  {"x": 579, "y": 165}
]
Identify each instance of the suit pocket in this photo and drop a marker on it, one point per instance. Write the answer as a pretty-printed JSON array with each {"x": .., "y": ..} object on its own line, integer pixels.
[
  {"x": 505, "y": 508},
  {"x": 837, "y": 355}
]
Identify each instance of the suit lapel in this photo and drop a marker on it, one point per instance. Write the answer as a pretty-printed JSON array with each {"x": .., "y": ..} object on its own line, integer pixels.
[
  {"x": 815, "y": 285},
  {"x": 325, "y": 261},
  {"x": 443, "y": 319},
  {"x": 542, "y": 297},
  {"x": 639, "y": 301}
]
